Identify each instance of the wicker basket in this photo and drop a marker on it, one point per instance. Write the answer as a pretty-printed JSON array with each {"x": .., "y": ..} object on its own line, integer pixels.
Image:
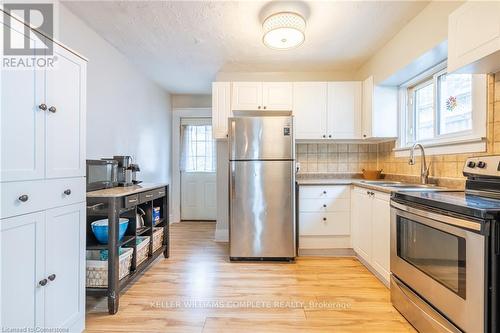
[
  {"x": 157, "y": 238},
  {"x": 142, "y": 248},
  {"x": 97, "y": 269}
]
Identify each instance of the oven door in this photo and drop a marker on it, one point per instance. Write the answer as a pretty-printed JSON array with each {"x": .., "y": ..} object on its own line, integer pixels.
[{"x": 439, "y": 258}]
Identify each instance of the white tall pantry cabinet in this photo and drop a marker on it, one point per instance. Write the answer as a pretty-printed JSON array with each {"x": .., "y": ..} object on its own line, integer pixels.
[{"x": 42, "y": 179}]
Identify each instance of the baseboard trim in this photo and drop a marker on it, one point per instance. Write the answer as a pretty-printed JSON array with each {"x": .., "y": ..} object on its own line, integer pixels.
[
  {"x": 327, "y": 252},
  {"x": 222, "y": 235},
  {"x": 373, "y": 271}
]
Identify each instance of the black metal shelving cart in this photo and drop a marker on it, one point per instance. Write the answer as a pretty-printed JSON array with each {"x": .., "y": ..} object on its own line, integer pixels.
[{"x": 123, "y": 202}]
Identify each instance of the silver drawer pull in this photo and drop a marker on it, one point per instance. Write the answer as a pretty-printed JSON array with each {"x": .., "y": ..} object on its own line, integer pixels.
[
  {"x": 149, "y": 195},
  {"x": 67, "y": 192},
  {"x": 132, "y": 200},
  {"x": 23, "y": 198},
  {"x": 93, "y": 207},
  {"x": 161, "y": 193}
]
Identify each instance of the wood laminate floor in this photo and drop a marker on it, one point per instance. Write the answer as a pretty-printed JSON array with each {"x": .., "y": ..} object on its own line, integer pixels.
[{"x": 198, "y": 290}]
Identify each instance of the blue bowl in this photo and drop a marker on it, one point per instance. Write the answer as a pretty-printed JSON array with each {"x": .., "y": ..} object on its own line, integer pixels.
[{"x": 100, "y": 230}]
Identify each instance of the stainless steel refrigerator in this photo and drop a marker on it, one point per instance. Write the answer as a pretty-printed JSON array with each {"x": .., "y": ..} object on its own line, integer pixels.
[{"x": 261, "y": 188}]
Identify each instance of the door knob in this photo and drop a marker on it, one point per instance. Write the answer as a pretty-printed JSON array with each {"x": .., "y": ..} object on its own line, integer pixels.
[
  {"x": 43, "y": 282},
  {"x": 42, "y": 107},
  {"x": 67, "y": 192},
  {"x": 23, "y": 198},
  {"x": 53, "y": 109},
  {"x": 51, "y": 277}
]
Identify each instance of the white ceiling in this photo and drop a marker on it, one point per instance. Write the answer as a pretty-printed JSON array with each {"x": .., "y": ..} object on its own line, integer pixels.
[{"x": 182, "y": 45}]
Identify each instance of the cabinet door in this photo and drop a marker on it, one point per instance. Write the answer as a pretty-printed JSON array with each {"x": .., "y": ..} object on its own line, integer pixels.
[
  {"x": 247, "y": 96},
  {"x": 277, "y": 96},
  {"x": 22, "y": 267},
  {"x": 221, "y": 108},
  {"x": 367, "y": 108},
  {"x": 22, "y": 121},
  {"x": 344, "y": 110},
  {"x": 310, "y": 109},
  {"x": 65, "y": 129},
  {"x": 381, "y": 213},
  {"x": 471, "y": 43},
  {"x": 65, "y": 260},
  {"x": 362, "y": 216}
]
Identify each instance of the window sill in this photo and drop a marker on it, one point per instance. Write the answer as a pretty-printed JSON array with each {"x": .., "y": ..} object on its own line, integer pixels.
[{"x": 457, "y": 146}]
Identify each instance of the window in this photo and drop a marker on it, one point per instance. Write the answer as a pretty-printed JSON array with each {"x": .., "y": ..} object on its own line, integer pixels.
[
  {"x": 198, "y": 148},
  {"x": 443, "y": 110},
  {"x": 441, "y": 105}
]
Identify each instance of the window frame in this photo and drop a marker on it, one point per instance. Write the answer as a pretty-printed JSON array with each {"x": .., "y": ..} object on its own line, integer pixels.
[{"x": 477, "y": 134}]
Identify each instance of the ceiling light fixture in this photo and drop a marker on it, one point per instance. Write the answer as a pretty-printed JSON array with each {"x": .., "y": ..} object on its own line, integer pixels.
[{"x": 284, "y": 30}]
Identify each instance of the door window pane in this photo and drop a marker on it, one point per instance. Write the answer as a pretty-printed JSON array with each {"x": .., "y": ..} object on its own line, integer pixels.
[
  {"x": 438, "y": 254},
  {"x": 198, "y": 149},
  {"x": 424, "y": 112},
  {"x": 455, "y": 103}
]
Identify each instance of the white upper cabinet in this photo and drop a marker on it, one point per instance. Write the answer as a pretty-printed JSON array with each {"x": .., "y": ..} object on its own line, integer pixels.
[
  {"x": 247, "y": 96},
  {"x": 277, "y": 96},
  {"x": 474, "y": 38},
  {"x": 221, "y": 108},
  {"x": 310, "y": 101},
  {"x": 344, "y": 110},
  {"x": 65, "y": 123},
  {"x": 22, "y": 122},
  {"x": 251, "y": 96},
  {"x": 380, "y": 111}
]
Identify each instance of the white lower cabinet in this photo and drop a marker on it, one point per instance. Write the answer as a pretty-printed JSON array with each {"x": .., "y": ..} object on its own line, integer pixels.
[
  {"x": 324, "y": 216},
  {"x": 43, "y": 269},
  {"x": 371, "y": 229}
]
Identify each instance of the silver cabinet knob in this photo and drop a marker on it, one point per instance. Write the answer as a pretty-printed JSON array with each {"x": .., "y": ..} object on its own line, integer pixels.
[
  {"x": 53, "y": 109},
  {"x": 43, "y": 282},
  {"x": 51, "y": 277},
  {"x": 42, "y": 107},
  {"x": 67, "y": 192},
  {"x": 23, "y": 198}
]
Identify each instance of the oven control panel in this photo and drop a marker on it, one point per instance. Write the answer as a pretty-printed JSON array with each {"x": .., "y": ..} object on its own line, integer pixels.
[{"x": 483, "y": 166}]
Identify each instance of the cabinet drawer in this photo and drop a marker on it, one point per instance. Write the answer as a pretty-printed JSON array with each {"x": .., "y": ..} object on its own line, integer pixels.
[
  {"x": 324, "y": 224},
  {"x": 147, "y": 196},
  {"x": 333, "y": 191},
  {"x": 12, "y": 203},
  {"x": 324, "y": 205},
  {"x": 66, "y": 191},
  {"x": 159, "y": 193},
  {"x": 131, "y": 200}
]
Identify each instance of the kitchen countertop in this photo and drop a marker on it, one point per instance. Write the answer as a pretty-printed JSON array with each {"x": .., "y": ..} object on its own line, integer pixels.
[
  {"x": 124, "y": 190},
  {"x": 360, "y": 183}
]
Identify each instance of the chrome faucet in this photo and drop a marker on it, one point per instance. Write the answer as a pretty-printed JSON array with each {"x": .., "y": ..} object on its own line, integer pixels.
[{"x": 424, "y": 169}]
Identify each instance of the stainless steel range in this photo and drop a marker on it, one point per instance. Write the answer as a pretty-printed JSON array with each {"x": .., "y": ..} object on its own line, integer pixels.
[{"x": 445, "y": 253}]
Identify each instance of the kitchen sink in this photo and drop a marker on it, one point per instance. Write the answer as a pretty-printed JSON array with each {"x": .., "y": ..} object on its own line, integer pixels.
[{"x": 404, "y": 186}]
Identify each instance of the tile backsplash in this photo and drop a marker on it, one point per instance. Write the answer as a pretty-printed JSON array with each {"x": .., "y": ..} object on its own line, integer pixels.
[{"x": 336, "y": 157}]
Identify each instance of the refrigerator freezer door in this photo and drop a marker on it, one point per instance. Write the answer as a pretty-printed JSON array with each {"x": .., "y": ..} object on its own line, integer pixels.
[
  {"x": 261, "y": 138},
  {"x": 262, "y": 205}
]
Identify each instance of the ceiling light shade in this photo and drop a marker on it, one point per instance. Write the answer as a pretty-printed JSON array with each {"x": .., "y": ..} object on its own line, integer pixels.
[{"x": 284, "y": 30}]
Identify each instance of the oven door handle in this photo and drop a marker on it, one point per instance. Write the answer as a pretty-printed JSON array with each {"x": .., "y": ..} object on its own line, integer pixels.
[{"x": 465, "y": 224}]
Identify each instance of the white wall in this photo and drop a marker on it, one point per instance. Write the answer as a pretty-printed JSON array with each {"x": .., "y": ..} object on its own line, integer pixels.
[
  {"x": 127, "y": 114},
  {"x": 423, "y": 34}
]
